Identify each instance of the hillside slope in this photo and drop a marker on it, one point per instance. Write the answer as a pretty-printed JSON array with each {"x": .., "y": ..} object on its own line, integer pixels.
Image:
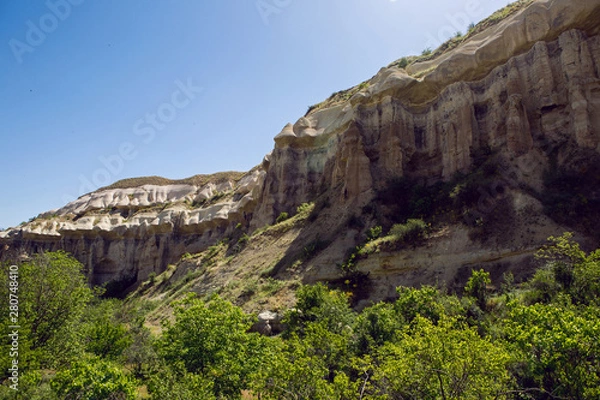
[{"x": 494, "y": 143}]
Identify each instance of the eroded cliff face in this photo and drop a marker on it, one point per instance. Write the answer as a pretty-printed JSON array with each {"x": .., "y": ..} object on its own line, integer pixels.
[
  {"x": 527, "y": 88},
  {"x": 124, "y": 234},
  {"x": 537, "y": 90}
]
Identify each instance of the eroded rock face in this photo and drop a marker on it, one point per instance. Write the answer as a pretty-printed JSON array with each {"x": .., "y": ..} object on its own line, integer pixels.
[
  {"x": 548, "y": 96},
  {"x": 525, "y": 87},
  {"x": 125, "y": 234}
]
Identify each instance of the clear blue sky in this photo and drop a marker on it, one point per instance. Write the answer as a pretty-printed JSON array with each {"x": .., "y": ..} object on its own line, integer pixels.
[{"x": 81, "y": 80}]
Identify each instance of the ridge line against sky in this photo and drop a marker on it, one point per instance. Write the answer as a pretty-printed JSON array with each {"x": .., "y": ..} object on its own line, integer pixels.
[{"x": 95, "y": 92}]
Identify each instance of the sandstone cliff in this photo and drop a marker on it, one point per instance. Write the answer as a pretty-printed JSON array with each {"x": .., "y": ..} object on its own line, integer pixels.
[
  {"x": 125, "y": 233},
  {"x": 526, "y": 89}
]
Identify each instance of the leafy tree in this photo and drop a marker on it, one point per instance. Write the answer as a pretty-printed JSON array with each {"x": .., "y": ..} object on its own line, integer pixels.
[
  {"x": 332, "y": 348},
  {"x": 477, "y": 287},
  {"x": 587, "y": 280},
  {"x": 558, "y": 349},
  {"x": 375, "y": 326},
  {"x": 141, "y": 353},
  {"x": 318, "y": 303},
  {"x": 568, "y": 269},
  {"x": 543, "y": 287},
  {"x": 94, "y": 379},
  {"x": 425, "y": 302},
  {"x": 323, "y": 322},
  {"x": 211, "y": 339},
  {"x": 173, "y": 383},
  {"x": 292, "y": 370},
  {"x": 53, "y": 291},
  {"x": 33, "y": 385},
  {"x": 53, "y": 294},
  {"x": 359, "y": 383},
  {"x": 107, "y": 338},
  {"x": 443, "y": 361}
]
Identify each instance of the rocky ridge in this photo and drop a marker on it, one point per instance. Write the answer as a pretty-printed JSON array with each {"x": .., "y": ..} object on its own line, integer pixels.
[
  {"x": 527, "y": 89},
  {"x": 121, "y": 233}
]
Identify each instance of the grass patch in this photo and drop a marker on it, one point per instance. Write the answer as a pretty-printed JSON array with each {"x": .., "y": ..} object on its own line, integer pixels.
[
  {"x": 453, "y": 42},
  {"x": 421, "y": 74},
  {"x": 303, "y": 212},
  {"x": 185, "y": 282},
  {"x": 210, "y": 255},
  {"x": 408, "y": 233},
  {"x": 270, "y": 286},
  {"x": 188, "y": 256},
  {"x": 339, "y": 97},
  {"x": 196, "y": 180}
]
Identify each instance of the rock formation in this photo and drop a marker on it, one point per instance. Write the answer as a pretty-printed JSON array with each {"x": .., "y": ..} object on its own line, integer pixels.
[
  {"x": 124, "y": 234},
  {"x": 527, "y": 88}
]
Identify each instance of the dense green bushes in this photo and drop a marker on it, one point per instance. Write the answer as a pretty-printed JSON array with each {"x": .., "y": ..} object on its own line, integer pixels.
[
  {"x": 534, "y": 341},
  {"x": 210, "y": 339}
]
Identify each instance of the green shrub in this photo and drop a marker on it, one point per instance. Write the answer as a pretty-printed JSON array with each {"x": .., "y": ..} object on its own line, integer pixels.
[
  {"x": 305, "y": 208},
  {"x": 104, "y": 335},
  {"x": 403, "y": 63},
  {"x": 568, "y": 270},
  {"x": 211, "y": 253},
  {"x": 241, "y": 243},
  {"x": 211, "y": 339},
  {"x": 282, "y": 217},
  {"x": 169, "y": 383},
  {"x": 319, "y": 303},
  {"x": 374, "y": 232},
  {"x": 94, "y": 379},
  {"x": 271, "y": 286},
  {"x": 477, "y": 287},
  {"x": 447, "y": 360},
  {"x": 410, "y": 231},
  {"x": 53, "y": 295},
  {"x": 556, "y": 346},
  {"x": 375, "y": 326},
  {"x": 425, "y": 302}
]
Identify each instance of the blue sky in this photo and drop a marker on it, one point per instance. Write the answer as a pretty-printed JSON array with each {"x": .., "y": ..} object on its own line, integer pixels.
[{"x": 98, "y": 91}]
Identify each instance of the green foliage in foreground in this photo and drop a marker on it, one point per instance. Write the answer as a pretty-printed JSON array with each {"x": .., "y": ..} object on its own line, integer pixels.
[
  {"x": 536, "y": 341},
  {"x": 91, "y": 379},
  {"x": 211, "y": 339}
]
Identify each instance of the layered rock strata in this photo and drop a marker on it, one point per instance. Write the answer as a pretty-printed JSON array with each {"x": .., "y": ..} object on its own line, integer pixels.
[{"x": 527, "y": 87}]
